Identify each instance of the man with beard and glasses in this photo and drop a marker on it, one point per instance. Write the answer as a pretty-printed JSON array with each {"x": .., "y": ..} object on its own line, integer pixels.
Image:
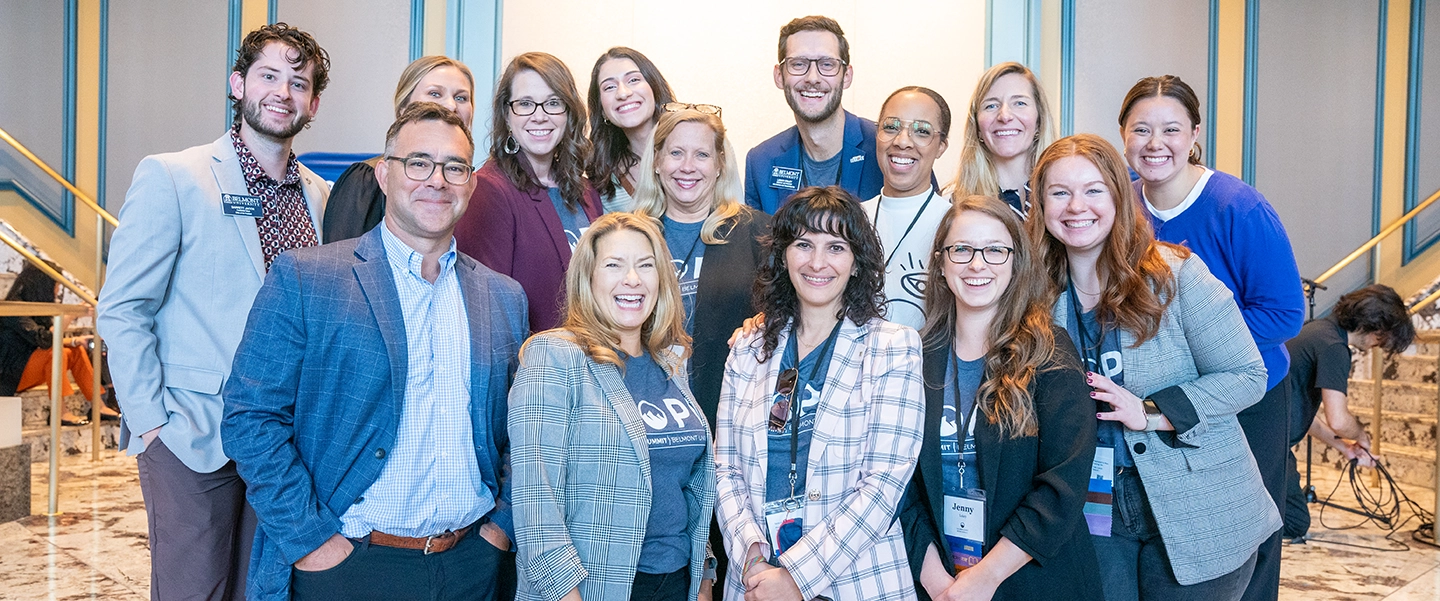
[
  {"x": 198, "y": 231},
  {"x": 828, "y": 146}
]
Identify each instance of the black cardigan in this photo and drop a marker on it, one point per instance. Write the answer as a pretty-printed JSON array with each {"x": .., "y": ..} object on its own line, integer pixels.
[
  {"x": 19, "y": 337},
  {"x": 1035, "y": 486},
  {"x": 722, "y": 303}
]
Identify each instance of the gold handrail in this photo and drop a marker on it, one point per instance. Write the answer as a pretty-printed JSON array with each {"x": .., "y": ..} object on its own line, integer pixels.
[
  {"x": 50, "y": 271},
  {"x": 4, "y": 135},
  {"x": 1389, "y": 229},
  {"x": 1425, "y": 302}
]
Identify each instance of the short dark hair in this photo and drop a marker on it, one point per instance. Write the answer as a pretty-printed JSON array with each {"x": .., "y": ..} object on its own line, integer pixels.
[
  {"x": 1377, "y": 309},
  {"x": 307, "y": 51},
  {"x": 829, "y": 210},
  {"x": 814, "y": 23},
  {"x": 939, "y": 101},
  {"x": 33, "y": 285},
  {"x": 416, "y": 112}
]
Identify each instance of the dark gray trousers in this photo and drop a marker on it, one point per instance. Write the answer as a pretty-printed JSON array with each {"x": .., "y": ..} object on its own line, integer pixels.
[{"x": 201, "y": 528}]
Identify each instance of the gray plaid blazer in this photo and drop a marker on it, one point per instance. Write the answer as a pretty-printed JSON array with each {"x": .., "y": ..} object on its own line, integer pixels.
[
  {"x": 1202, "y": 484},
  {"x": 580, "y": 468},
  {"x": 866, "y": 441}
]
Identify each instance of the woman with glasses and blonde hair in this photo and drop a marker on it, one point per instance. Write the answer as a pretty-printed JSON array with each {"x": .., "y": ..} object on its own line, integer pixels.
[
  {"x": 995, "y": 510},
  {"x": 532, "y": 201},
  {"x": 627, "y": 97},
  {"x": 820, "y": 417},
  {"x": 1008, "y": 125},
  {"x": 611, "y": 462},
  {"x": 356, "y": 201},
  {"x": 1170, "y": 363}
]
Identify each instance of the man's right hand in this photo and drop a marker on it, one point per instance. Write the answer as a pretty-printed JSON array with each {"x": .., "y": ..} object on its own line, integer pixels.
[
  {"x": 329, "y": 555},
  {"x": 149, "y": 437}
]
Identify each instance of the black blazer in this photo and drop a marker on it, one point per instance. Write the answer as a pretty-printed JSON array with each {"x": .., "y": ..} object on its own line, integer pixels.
[
  {"x": 356, "y": 204},
  {"x": 723, "y": 301},
  {"x": 1035, "y": 486}
]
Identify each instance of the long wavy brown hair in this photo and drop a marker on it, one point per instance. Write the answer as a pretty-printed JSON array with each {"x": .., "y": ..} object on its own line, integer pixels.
[
  {"x": 1138, "y": 283},
  {"x": 610, "y": 153},
  {"x": 1020, "y": 341},
  {"x": 567, "y": 166},
  {"x": 593, "y": 331}
]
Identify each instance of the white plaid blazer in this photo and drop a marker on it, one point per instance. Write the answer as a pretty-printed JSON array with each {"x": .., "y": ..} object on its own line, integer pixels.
[
  {"x": 866, "y": 440},
  {"x": 580, "y": 470}
]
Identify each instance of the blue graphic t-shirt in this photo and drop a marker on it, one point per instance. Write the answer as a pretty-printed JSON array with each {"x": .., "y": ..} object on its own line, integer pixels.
[
  {"x": 687, "y": 252},
  {"x": 575, "y": 222},
  {"x": 964, "y": 376},
  {"x": 807, "y": 393},
  {"x": 1102, "y": 356},
  {"x": 677, "y": 440}
]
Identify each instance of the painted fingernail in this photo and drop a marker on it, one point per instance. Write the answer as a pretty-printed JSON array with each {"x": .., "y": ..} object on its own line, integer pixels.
[{"x": 1092, "y": 395}]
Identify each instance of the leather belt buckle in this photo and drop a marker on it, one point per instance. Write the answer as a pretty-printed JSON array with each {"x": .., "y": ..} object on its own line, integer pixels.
[{"x": 428, "y": 541}]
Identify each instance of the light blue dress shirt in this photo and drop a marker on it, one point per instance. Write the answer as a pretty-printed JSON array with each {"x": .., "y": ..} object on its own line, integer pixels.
[{"x": 431, "y": 482}]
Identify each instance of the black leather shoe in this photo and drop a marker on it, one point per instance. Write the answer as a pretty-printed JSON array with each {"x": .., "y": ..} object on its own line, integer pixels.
[
  {"x": 109, "y": 417},
  {"x": 74, "y": 422}
]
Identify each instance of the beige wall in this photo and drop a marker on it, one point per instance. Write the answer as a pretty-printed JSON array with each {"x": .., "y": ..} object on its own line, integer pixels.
[{"x": 723, "y": 53}]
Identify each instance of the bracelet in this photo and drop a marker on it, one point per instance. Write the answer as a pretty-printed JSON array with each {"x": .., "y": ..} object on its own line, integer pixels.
[
  {"x": 750, "y": 563},
  {"x": 1152, "y": 421}
]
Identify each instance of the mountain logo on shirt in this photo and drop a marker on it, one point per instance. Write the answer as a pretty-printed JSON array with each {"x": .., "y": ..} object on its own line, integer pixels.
[
  {"x": 657, "y": 418},
  {"x": 947, "y": 422}
]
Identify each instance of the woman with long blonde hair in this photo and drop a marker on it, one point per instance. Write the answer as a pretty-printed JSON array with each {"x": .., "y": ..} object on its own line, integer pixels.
[
  {"x": 1009, "y": 123},
  {"x": 612, "y": 467}
]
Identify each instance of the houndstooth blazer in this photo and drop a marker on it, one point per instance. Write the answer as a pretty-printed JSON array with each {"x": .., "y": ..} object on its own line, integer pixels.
[
  {"x": 581, "y": 475},
  {"x": 866, "y": 440}
]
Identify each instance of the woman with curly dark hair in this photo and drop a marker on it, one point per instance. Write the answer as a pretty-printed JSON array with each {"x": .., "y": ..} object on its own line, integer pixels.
[
  {"x": 531, "y": 200},
  {"x": 1009, "y": 433},
  {"x": 820, "y": 416}
]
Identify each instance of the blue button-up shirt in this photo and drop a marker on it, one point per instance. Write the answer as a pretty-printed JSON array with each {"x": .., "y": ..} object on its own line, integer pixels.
[{"x": 431, "y": 482}]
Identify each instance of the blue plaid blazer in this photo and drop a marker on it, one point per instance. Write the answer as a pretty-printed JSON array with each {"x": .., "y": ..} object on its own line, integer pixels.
[
  {"x": 580, "y": 465},
  {"x": 866, "y": 441},
  {"x": 315, "y": 393}
]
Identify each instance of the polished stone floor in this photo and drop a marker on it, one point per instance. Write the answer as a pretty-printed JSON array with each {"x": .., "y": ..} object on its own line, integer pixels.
[{"x": 96, "y": 548}]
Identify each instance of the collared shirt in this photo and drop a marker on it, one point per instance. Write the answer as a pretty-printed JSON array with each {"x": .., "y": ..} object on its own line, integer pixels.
[
  {"x": 431, "y": 481},
  {"x": 284, "y": 222}
]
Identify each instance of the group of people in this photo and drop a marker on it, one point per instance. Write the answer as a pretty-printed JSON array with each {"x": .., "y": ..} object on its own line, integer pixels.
[{"x": 609, "y": 365}]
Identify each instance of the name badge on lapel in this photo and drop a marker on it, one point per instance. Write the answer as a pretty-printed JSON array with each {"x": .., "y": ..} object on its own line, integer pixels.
[
  {"x": 785, "y": 178},
  {"x": 237, "y": 205}
]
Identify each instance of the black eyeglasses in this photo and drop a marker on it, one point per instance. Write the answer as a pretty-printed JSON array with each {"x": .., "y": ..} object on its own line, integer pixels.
[
  {"x": 921, "y": 132},
  {"x": 420, "y": 169},
  {"x": 962, "y": 254},
  {"x": 525, "y": 108},
  {"x": 675, "y": 107},
  {"x": 799, "y": 65},
  {"x": 785, "y": 387}
]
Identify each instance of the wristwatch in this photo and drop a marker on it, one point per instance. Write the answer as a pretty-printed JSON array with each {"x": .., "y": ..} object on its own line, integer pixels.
[{"x": 1153, "y": 416}]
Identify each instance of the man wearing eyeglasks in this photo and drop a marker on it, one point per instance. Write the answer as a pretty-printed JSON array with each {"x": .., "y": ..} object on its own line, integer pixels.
[{"x": 828, "y": 145}]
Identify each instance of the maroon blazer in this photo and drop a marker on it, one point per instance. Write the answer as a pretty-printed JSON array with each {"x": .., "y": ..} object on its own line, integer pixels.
[{"x": 518, "y": 233}]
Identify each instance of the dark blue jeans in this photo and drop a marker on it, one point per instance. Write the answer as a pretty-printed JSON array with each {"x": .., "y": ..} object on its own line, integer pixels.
[
  {"x": 674, "y": 586},
  {"x": 1133, "y": 561},
  {"x": 467, "y": 571}
]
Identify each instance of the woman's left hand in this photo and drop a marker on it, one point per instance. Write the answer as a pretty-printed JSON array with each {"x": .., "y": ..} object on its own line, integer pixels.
[
  {"x": 1129, "y": 410},
  {"x": 969, "y": 585},
  {"x": 774, "y": 584}
]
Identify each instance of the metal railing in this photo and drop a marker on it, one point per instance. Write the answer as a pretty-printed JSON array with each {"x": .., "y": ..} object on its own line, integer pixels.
[
  {"x": 102, "y": 217},
  {"x": 1375, "y": 241}
]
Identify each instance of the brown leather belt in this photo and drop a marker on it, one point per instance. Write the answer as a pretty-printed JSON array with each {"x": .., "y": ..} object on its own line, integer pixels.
[{"x": 438, "y": 543}]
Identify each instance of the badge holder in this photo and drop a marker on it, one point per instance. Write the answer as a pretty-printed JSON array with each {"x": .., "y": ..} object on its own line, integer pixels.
[{"x": 1099, "y": 499}]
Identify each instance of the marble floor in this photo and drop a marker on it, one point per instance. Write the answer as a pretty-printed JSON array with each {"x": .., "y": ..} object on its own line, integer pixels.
[{"x": 96, "y": 548}]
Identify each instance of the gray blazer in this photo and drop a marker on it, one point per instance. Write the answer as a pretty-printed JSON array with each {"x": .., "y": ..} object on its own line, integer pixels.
[
  {"x": 580, "y": 472},
  {"x": 1201, "y": 369},
  {"x": 181, "y": 280}
]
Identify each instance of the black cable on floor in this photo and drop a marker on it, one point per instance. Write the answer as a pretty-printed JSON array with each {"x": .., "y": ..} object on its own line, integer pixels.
[{"x": 1383, "y": 508}]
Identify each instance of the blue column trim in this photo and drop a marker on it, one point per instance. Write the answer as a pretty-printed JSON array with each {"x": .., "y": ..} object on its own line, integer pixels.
[
  {"x": 231, "y": 49},
  {"x": 1380, "y": 41},
  {"x": 417, "y": 29},
  {"x": 1212, "y": 81},
  {"x": 1067, "y": 67},
  {"x": 66, "y": 215},
  {"x": 1252, "y": 67},
  {"x": 272, "y": 10},
  {"x": 455, "y": 14},
  {"x": 1414, "y": 246},
  {"x": 104, "y": 103}
]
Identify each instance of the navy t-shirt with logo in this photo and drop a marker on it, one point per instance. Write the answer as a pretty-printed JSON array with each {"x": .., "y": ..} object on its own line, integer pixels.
[{"x": 676, "y": 435}]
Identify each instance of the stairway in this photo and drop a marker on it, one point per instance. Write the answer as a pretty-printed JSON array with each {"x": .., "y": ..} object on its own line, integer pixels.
[
  {"x": 1407, "y": 427},
  {"x": 74, "y": 440}
]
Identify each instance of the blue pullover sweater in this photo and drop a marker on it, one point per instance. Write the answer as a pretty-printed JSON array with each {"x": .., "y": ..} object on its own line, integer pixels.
[{"x": 1237, "y": 233}]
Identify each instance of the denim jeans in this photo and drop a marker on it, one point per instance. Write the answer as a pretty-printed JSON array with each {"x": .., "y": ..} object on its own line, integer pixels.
[
  {"x": 1133, "y": 561},
  {"x": 674, "y": 586}
]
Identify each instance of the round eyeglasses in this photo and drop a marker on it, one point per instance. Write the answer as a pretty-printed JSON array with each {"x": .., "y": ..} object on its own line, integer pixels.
[
  {"x": 675, "y": 107},
  {"x": 525, "y": 108},
  {"x": 799, "y": 65},
  {"x": 962, "y": 254},
  {"x": 420, "y": 169},
  {"x": 922, "y": 133}
]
